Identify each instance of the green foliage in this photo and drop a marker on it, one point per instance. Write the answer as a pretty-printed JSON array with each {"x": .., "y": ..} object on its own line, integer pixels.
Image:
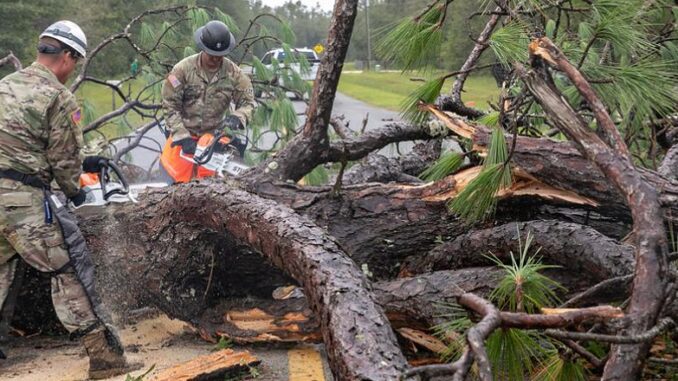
[
  {"x": 89, "y": 111},
  {"x": 453, "y": 330},
  {"x": 287, "y": 34},
  {"x": 524, "y": 288},
  {"x": 283, "y": 118},
  {"x": 318, "y": 176},
  {"x": 557, "y": 368},
  {"x": 478, "y": 199},
  {"x": 497, "y": 153},
  {"x": 223, "y": 343},
  {"x": 510, "y": 42},
  {"x": 198, "y": 17},
  {"x": 260, "y": 71},
  {"x": 513, "y": 353},
  {"x": 228, "y": 20},
  {"x": 413, "y": 42},
  {"x": 447, "y": 164},
  {"x": 147, "y": 35},
  {"x": 491, "y": 119},
  {"x": 426, "y": 93}
]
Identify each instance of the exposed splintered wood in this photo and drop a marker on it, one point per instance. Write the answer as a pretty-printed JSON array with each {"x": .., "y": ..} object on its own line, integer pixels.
[
  {"x": 423, "y": 339},
  {"x": 209, "y": 367},
  {"x": 256, "y": 326}
]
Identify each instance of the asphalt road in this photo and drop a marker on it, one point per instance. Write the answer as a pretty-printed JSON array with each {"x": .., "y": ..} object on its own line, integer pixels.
[{"x": 353, "y": 110}]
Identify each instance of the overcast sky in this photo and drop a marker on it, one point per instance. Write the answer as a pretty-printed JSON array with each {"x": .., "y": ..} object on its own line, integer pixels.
[{"x": 326, "y": 5}]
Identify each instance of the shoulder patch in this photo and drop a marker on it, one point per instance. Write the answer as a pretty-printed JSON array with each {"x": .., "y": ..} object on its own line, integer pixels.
[
  {"x": 173, "y": 80},
  {"x": 76, "y": 116}
]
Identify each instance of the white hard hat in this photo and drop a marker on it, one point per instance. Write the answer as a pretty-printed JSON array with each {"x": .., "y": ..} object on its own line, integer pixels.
[{"x": 69, "y": 33}]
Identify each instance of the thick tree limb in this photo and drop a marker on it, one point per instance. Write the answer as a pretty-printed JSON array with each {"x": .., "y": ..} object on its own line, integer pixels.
[
  {"x": 669, "y": 166},
  {"x": 302, "y": 154},
  {"x": 651, "y": 263},
  {"x": 545, "y": 49},
  {"x": 360, "y": 342},
  {"x": 578, "y": 248}
]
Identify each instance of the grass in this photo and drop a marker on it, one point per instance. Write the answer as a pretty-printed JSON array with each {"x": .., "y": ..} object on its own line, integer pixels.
[{"x": 389, "y": 89}]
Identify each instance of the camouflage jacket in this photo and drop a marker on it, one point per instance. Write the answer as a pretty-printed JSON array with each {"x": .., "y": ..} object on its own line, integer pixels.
[
  {"x": 195, "y": 101},
  {"x": 39, "y": 131}
]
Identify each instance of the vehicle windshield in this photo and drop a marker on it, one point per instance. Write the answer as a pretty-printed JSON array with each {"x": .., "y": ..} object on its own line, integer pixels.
[{"x": 310, "y": 56}]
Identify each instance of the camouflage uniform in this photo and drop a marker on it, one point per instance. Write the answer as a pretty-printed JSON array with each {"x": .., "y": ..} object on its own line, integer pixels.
[
  {"x": 195, "y": 100},
  {"x": 39, "y": 136}
]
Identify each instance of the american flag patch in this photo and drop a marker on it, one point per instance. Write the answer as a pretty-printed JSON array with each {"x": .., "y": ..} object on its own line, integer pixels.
[
  {"x": 173, "y": 80},
  {"x": 76, "y": 116}
]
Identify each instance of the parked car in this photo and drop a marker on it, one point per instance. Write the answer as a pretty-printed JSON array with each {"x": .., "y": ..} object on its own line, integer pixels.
[{"x": 300, "y": 54}]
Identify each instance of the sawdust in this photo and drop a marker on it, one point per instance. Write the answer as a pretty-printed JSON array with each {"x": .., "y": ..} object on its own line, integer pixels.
[{"x": 158, "y": 340}]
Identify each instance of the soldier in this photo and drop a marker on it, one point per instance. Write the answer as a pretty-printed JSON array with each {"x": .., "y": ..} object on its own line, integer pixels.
[
  {"x": 40, "y": 142},
  {"x": 198, "y": 92}
]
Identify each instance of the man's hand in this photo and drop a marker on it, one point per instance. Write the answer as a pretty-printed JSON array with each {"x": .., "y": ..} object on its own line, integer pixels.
[
  {"x": 93, "y": 164},
  {"x": 188, "y": 145},
  {"x": 82, "y": 197},
  {"x": 233, "y": 122}
]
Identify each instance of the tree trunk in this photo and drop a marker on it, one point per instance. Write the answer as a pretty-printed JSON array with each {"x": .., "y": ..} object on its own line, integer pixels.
[{"x": 170, "y": 258}]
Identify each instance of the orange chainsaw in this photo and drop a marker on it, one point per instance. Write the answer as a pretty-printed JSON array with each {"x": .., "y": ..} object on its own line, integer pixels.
[{"x": 215, "y": 155}]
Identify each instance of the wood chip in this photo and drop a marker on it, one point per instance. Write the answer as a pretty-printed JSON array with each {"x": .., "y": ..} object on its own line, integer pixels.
[{"x": 213, "y": 365}]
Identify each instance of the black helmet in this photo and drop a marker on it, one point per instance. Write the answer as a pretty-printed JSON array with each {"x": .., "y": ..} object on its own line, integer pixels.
[{"x": 214, "y": 38}]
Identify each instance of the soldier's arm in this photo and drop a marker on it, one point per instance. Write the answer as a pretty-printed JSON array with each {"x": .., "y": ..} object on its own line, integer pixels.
[
  {"x": 173, "y": 103},
  {"x": 243, "y": 97},
  {"x": 65, "y": 142}
]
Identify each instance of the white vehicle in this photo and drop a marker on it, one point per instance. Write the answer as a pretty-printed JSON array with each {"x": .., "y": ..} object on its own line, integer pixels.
[{"x": 305, "y": 62}]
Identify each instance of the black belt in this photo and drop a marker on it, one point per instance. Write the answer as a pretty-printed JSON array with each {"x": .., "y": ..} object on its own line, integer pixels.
[{"x": 30, "y": 180}]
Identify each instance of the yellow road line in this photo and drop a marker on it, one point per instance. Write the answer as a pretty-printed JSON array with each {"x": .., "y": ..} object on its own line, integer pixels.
[{"x": 305, "y": 364}]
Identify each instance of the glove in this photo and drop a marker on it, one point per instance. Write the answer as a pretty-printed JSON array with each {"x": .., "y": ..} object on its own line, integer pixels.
[
  {"x": 239, "y": 145},
  {"x": 233, "y": 122},
  {"x": 93, "y": 164},
  {"x": 188, "y": 145},
  {"x": 79, "y": 198}
]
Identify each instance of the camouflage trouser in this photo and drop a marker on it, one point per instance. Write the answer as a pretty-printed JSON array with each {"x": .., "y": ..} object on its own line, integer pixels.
[{"x": 23, "y": 231}]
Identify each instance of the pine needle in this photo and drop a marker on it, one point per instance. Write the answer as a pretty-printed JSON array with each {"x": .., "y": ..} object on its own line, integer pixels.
[
  {"x": 261, "y": 72},
  {"x": 556, "y": 368},
  {"x": 228, "y": 20},
  {"x": 477, "y": 200},
  {"x": 498, "y": 154},
  {"x": 509, "y": 43},
  {"x": 287, "y": 34},
  {"x": 146, "y": 35},
  {"x": 427, "y": 93},
  {"x": 512, "y": 352},
  {"x": 412, "y": 43},
  {"x": 491, "y": 119},
  {"x": 198, "y": 17},
  {"x": 444, "y": 166},
  {"x": 524, "y": 288}
]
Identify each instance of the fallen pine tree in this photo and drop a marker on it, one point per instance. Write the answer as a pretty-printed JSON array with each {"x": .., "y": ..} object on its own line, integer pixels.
[{"x": 374, "y": 257}]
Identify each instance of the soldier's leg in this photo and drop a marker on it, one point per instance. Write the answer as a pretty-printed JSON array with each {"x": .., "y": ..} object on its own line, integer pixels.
[
  {"x": 42, "y": 246},
  {"x": 7, "y": 269}
]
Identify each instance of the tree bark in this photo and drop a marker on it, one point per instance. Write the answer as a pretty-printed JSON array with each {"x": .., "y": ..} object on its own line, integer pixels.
[
  {"x": 167, "y": 254},
  {"x": 649, "y": 288},
  {"x": 302, "y": 154}
]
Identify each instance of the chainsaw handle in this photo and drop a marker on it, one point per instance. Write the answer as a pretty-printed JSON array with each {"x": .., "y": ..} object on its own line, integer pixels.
[
  {"x": 206, "y": 156},
  {"x": 103, "y": 176}
]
